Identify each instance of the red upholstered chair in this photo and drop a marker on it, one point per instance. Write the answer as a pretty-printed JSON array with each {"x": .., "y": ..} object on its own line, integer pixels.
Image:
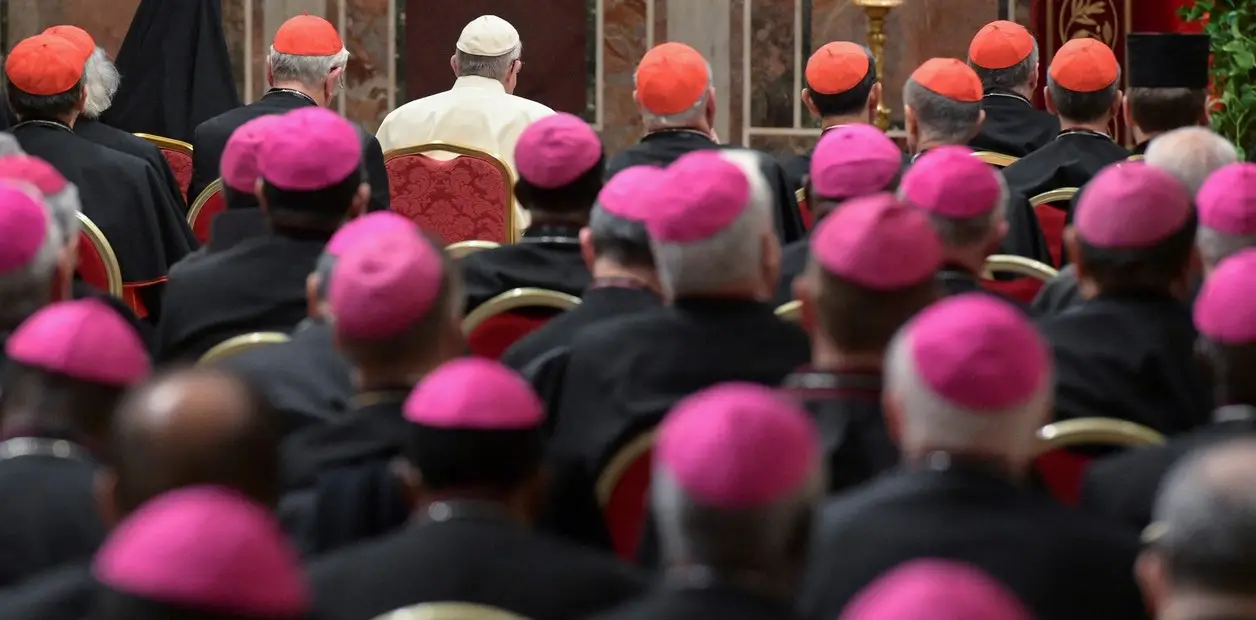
[
  {"x": 501, "y": 321},
  {"x": 622, "y": 491},
  {"x": 179, "y": 155},
  {"x": 211, "y": 202},
  {"x": 803, "y": 208},
  {"x": 1022, "y": 289},
  {"x": 1063, "y": 470},
  {"x": 468, "y": 197},
  {"x": 97, "y": 264},
  {"x": 1051, "y": 209}
]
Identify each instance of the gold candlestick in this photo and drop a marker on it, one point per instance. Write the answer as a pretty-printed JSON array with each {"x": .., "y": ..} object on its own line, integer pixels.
[{"x": 877, "y": 10}]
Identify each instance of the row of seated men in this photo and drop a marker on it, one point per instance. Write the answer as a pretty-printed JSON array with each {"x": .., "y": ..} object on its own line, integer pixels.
[{"x": 914, "y": 412}]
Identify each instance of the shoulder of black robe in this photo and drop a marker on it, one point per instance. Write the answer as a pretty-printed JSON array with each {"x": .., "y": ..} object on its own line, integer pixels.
[
  {"x": 66, "y": 593},
  {"x": 1024, "y": 234},
  {"x": 235, "y": 226},
  {"x": 715, "y": 602},
  {"x": 598, "y": 304},
  {"x": 846, "y": 406},
  {"x": 82, "y": 290},
  {"x": 1013, "y": 126},
  {"x": 1058, "y": 295},
  {"x": 794, "y": 259},
  {"x": 1130, "y": 358},
  {"x": 797, "y": 167},
  {"x": 482, "y": 562},
  {"x": 175, "y": 67},
  {"x": 363, "y": 435},
  {"x": 53, "y": 519},
  {"x": 376, "y": 174},
  {"x": 131, "y": 144},
  {"x": 556, "y": 266},
  {"x": 1070, "y": 160},
  {"x": 1060, "y": 563}
]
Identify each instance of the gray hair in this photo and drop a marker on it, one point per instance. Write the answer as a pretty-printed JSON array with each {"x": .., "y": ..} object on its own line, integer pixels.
[
  {"x": 25, "y": 290},
  {"x": 1010, "y": 78},
  {"x": 967, "y": 232},
  {"x": 683, "y": 119},
  {"x": 64, "y": 206},
  {"x": 308, "y": 70},
  {"x": 9, "y": 145},
  {"x": 492, "y": 67},
  {"x": 733, "y": 255},
  {"x": 941, "y": 119},
  {"x": 930, "y": 421},
  {"x": 1192, "y": 154},
  {"x": 1215, "y": 247},
  {"x": 102, "y": 80}
]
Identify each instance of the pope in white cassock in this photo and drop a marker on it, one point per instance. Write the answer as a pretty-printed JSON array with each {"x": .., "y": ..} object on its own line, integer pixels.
[{"x": 479, "y": 111}]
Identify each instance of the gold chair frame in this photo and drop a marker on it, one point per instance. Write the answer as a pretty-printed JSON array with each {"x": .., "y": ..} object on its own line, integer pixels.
[
  {"x": 518, "y": 298},
  {"x": 450, "y": 611},
  {"x": 1063, "y": 194},
  {"x": 113, "y": 271},
  {"x": 1095, "y": 431},
  {"x": 998, "y": 160},
  {"x": 463, "y": 248},
  {"x": 619, "y": 464},
  {"x": 200, "y": 201},
  {"x": 167, "y": 143},
  {"x": 790, "y": 311},
  {"x": 1019, "y": 265},
  {"x": 239, "y": 344},
  {"x": 463, "y": 150},
  {"x": 1136, "y": 158},
  {"x": 800, "y": 195}
]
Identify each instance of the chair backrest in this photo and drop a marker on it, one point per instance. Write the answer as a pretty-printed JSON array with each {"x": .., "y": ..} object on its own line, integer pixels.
[
  {"x": 239, "y": 344},
  {"x": 468, "y": 197},
  {"x": 1035, "y": 275},
  {"x": 804, "y": 209},
  {"x": 97, "y": 264},
  {"x": 1051, "y": 209},
  {"x": 179, "y": 155},
  {"x": 622, "y": 493},
  {"x": 998, "y": 160},
  {"x": 201, "y": 214},
  {"x": 1063, "y": 470},
  {"x": 1136, "y": 157},
  {"x": 503, "y": 320},
  {"x": 463, "y": 248},
  {"x": 450, "y": 611},
  {"x": 790, "y": 311}
]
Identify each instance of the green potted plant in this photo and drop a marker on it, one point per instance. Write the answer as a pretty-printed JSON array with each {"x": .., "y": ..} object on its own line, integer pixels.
[{"x": 1232, "y": 26}]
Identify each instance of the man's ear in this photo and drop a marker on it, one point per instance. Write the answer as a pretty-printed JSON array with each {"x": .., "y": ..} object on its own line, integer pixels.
[
  {"x": 105, "y": 490},
  {"x": 410, "y": 481},
  {"x": 805, "y": 95},
  {"x": 1046, "y": 98},
  {"x": 453, "y": 65},
  {"x": 586, "y": 247}
]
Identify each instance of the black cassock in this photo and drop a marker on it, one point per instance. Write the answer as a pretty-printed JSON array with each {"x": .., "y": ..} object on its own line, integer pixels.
[
  {"x": 259, "y": 285},
  {"x": 234, "y": 226},
  {"x": 176, "y": 71},
  {"x": 210, "y": 138},
  {"x": 716, "y": 601},
  {"x": 600, "y": 303},
  {"x": 121, "y": 194},
  {"x": 64, "y": 593},
  {"x": 1013, "y": 126},
  {"x": 1070, "y": 160},
  {"x": 1122, "y": 488},
  {"x": 483, "y": 560},
  {"x": 1060, "y": 294},
  {"x": 52, "y": 518},
  {"x": 794, "y": 258},
  {"x": 846, "y": 406},
  {"x": 661, "y": 148},
  {"x": 1132, "y": 358},
  {"x": 118, "y": 140},
  {"x": 546, "y": 257},
  {"x": 1060, "y": 563}
]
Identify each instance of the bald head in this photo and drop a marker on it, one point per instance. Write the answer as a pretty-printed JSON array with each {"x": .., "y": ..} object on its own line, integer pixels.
[
  {"x": 199, "y": 426},
  {"x": 1191, "y": 154}
]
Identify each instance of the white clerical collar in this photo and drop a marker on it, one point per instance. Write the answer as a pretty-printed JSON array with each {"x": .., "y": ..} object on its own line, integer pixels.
[{"x": 475, "y": 81}]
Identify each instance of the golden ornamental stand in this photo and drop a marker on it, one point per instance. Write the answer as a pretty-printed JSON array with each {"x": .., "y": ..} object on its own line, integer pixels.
[{"x": 877, "y": 10}]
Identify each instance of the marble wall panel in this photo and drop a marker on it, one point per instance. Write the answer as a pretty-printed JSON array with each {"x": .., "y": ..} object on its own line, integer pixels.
[
  {"x": 737, "y": 72},
  {"x": 370, "y": 85},
  {"x": 107, "y": 20},
  {"x": 234, "y": 31},
  {"x": 772, "y": 63},
  {"x": 624, "y": 43}
]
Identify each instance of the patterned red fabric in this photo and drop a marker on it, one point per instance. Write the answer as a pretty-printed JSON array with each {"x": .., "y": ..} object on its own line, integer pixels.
[
  {"x": 1063, "y": 472},
  {"x": 1052, "y": 219},
  {"x": 181, "y": 165},
  {"x": 1021, "y": 289},
  {"x": 91, "y": 266},
  {"x": 626, "y": 511},
  {"x": 497, "y": 333},
  {"x": 460, "y": 199},
  {"x": 215, "y": 204}
]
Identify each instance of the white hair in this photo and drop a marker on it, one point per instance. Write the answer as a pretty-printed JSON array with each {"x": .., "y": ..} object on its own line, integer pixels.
[
  {"x": 9, "y": 145},
  {"x": 102, "y": 80},
  {"x": 1215, "y": 247},
  {"x": 733, "y": 255},
  {"x": 1191, "y": 154},
  {"x": 930, "y": 421},
  {"x": 940, "y": 118},
  {"x": 492, "y": 67},
  {"x": 25, "y": 290},
  {"x": 308, "y": 70},
  {"x": 64, "y": 206},
  {"x": 683, "y": 119}
]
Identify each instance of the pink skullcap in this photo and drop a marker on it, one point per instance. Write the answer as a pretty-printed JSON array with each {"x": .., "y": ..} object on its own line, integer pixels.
[
  {"x": 1227, "y": 201},
  {"x": 1131, "y": 205},
  {"x": 556, "y": 150},
  {"x": 23, "y": 226},
  {"x": 380, "y": 289},
  {"x": 950, "y": 182},
  {"x": 308, "y": 149},
  {"x": 737, "y": 445},
  {"x": 879, "y": 242},
  {"x": 1225, "y": 311},
  {"x": 474, "y": 393},
  {"x": 369, "y": 227},
  {"x": 205, "y": 548},
  {"x": 702, "y": 194},
  {"x": 854, "y": 160},
  {"x": 84, "y": 339},
  {"x": 240, "y": 156},
  {"x": 33, "y": 170},
  {"x": 937, "y": 590},
  {"x": 630, "y": 194},
  {"x": 978, "y": 352}
]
